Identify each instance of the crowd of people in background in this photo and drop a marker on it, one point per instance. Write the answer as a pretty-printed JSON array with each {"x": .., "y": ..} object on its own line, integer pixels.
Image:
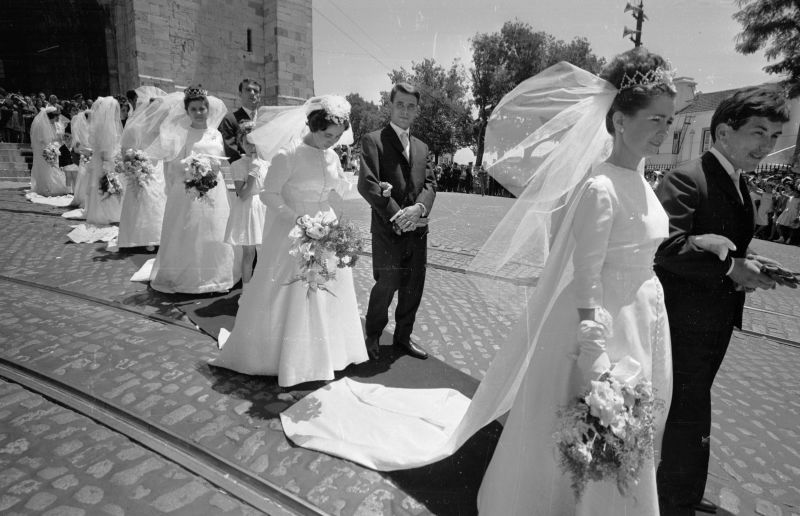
[
  {"x": 17, "y": 111},
  {"x": 454, "y": 177}
]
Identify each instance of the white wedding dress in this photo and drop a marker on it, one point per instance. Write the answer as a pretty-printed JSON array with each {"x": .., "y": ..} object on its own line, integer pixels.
[
  {"x": 142, "y": 212},
  {"x": 281, "y": 328},
  {"x": 602, "y": 256},
  {"x": 193, "y": 257}
]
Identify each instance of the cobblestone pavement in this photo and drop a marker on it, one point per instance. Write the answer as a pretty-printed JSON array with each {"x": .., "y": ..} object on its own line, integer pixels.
[
  {"x": 56, "y": 462},
  {"x": 755, "y": 467}
]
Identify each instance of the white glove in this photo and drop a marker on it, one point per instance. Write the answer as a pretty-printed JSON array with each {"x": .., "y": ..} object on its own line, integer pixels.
[
  {"x": 592, "y": 358},
  {"x": 716, "y": 244}
]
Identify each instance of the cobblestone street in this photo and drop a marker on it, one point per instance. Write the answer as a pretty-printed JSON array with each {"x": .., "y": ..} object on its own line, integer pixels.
[{"x": 70, "y": 315}]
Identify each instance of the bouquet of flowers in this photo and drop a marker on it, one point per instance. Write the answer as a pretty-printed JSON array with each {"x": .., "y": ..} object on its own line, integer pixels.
[
  {"x": 200, "y": 174},
  {"x": 51, "y": 152},
  {"x": 136, "y": 165},
  {"x": 110, "y": 184},
  {"x": 607, "y": 433},
  {"x": 318, "y": 240}
]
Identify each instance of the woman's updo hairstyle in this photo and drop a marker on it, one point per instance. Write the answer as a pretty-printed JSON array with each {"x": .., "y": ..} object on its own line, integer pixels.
[
  {"x": 639, "y": 75},
  {"x": 193, "y": 93},
  {"x": 327, "y": 110}
]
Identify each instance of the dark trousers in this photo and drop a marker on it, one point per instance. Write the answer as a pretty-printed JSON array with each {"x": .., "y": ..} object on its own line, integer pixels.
[
  {"x": 699, "y": 343},
  {"x": 398, "y": 265}
]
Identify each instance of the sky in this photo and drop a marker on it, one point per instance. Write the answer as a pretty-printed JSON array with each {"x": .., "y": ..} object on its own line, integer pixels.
[{"x": 356, "y": 43}]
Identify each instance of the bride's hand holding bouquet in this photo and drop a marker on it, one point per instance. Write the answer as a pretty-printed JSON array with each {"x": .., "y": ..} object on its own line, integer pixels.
[
  {"x": 200, "y": 174},
  {"x": 607, "y": 432},
  {"x": 319, "y": 240}
]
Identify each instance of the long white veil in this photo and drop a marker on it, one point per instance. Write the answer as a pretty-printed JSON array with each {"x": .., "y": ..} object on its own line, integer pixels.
[
  {"x": 42, "y": 132},
  {"x": 105, "y": 127},
  {"x": 143, "y": 126},
  {"x": 543, "y": 138},
  {"x": 79, "y": 126},
  {"x": 162, "y": 129},
  {"x": 277, "y": 126}
]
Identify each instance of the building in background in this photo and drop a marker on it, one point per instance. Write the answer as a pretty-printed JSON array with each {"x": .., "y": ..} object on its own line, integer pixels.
[
  {"x": 102, "y": 47},
  {"x": 690, "y": 133}
]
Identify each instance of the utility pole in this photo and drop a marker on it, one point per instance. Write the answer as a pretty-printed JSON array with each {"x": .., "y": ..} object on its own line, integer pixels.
[{"x": 637, "y": 11}]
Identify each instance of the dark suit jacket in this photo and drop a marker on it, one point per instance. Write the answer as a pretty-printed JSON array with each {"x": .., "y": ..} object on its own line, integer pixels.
[
  {"x": 229, "y": 127},
  {"x": 382, "y": 159},
  {"x": 700, "y": 198}
]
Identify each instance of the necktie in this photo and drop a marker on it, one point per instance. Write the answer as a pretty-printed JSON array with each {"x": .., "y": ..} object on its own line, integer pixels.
[
  {"x": 737, "y": 180},
  {"x": 404, "y": 141}
]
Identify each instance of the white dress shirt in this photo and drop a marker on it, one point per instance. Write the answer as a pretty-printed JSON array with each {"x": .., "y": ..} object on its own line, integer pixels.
[{"x": 405, "y": 140}]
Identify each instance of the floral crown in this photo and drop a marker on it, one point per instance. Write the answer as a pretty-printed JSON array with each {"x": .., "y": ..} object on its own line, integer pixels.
[
  {"x": 658, "y": 76},
  {"x": 195, "y": 91},
  {"x": 337, "y": 109}
]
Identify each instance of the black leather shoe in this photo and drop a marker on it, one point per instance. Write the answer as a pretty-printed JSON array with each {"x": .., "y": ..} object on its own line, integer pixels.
[
  {"x": 706, "y": 506},
  {"x": 412, "y": 349},
  {"x": 373, "y": 348}
]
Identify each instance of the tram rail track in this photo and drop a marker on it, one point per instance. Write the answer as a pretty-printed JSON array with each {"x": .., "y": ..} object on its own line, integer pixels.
[{"x": 216, "y": 469}]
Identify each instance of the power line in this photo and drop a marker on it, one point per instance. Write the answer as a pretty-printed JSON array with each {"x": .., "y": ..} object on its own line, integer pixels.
[
  {"x": 356, "y": 24},
  {"x": 345, "y": 33}
]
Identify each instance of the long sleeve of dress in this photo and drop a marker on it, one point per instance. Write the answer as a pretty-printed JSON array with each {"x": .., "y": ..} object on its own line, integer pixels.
[
  {"x": 277, "y": 176},
  {"x": 591, "y": 229},
  {"x": 345, "y": 188}
]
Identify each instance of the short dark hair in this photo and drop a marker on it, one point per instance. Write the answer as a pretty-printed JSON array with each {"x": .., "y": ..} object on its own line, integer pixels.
[
  {"x": 404, "y": 87},
  {"x": 633, "y": 98},
  {"x": 768, "y": 101},
  {"x": 318, "y": 121},
  {"x": 249, "y": 81}
]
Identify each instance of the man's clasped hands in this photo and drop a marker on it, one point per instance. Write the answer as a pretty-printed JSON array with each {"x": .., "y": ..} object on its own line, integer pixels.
[{"x": 408, "y": 218}]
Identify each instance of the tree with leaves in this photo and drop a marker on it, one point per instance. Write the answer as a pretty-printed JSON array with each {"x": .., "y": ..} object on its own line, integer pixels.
[
  {"x": 444, "y": 121},
  {"x": 365, "y": 116},
  {"x": 774, "y": 25},
  {"x": 503, "y": 59}
]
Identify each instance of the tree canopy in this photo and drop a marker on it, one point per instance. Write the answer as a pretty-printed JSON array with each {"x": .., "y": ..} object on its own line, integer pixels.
[
  {"x": 774, "y": 26},
  {"x": 503, "y": 59},
  {"x": 444, "y": 120}
]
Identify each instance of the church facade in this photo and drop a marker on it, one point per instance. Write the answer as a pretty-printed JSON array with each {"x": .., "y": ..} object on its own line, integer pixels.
[{"x": 102, "y": 47}]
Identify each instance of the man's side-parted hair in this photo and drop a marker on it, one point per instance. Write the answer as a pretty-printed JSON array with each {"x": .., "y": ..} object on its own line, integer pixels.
[
  {"x": 766, "y": 101},
  {"x": 404, "y": 87},
  {"x": 250, "y": 81}
]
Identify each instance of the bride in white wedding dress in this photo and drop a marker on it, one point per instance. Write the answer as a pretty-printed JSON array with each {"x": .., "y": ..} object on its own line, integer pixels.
[
  {"x": 282, "y": 329},
  {"x": 590, "y": 218}
]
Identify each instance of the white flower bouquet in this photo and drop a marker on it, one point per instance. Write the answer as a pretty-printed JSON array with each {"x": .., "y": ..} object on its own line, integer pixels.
[
  {"x": 136, "y": 166},
  {"x": 318, "y": 240},
  {"x": 201, "y": 173},
  {"x": 51, "y": 152},
  {"x": 607, "y": 433}
]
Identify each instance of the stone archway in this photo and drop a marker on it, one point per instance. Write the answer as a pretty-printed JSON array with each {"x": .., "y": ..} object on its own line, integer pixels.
[{"x": 54, "y": 46}]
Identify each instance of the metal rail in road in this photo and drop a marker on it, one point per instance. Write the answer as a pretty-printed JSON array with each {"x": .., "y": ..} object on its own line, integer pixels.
[{"x": 217, "y": 470}]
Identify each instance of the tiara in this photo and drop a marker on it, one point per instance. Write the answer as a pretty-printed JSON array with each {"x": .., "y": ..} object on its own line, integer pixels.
[
  {"x": 195, "y": 91},
  {"x": 657, "y": 76}
]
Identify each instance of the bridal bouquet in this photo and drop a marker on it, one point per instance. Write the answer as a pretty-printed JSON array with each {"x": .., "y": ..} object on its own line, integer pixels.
[
  {"x": 136, "y": 165},
  {"x": 319, "y": 240},
  {"x": 110, "y": 184},
  {"x": 607, "y": 433},
  {"x": 200, "y": 174},
  {"x": 51, "y": 152}
]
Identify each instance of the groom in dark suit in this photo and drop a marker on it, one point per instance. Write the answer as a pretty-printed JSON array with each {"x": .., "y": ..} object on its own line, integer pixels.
[
  {"x": 249, "y": 96},
  {"x": 704, "y": 294},
  {"x": 391, "y": 156}
]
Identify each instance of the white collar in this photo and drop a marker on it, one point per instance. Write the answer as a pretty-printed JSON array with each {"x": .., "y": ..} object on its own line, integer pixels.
[
  {"x": 399, "y": 131},
  {"x": 249, "y": 111},
  {"x": 727, "y": 165}
]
